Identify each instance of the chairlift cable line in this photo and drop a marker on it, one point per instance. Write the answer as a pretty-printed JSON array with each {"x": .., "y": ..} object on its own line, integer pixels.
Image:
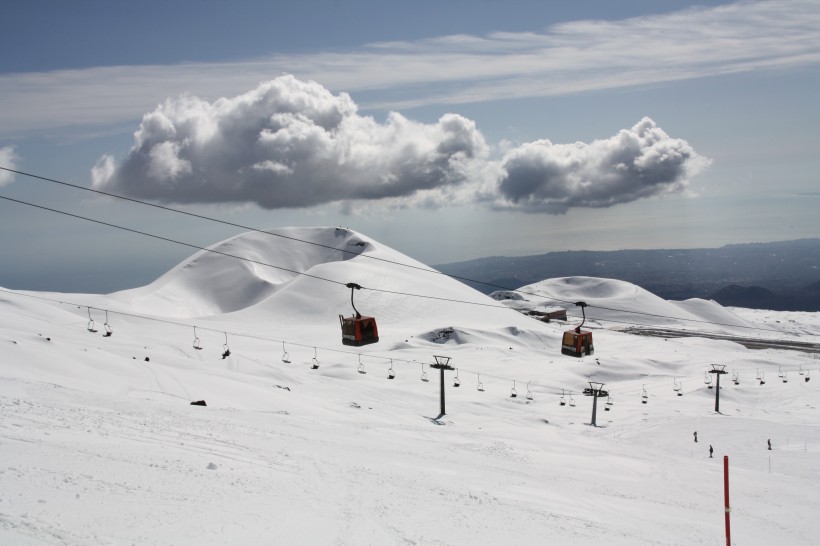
[
  {"x": 256, "y": 337},
  {"x": 623, "y": 390},
  {"x": 197, "y": 247},
  {"x": 296, "y": 239},
  {"x": 257, "y": 262}
]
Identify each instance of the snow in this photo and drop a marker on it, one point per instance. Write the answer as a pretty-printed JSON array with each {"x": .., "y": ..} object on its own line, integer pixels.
[{"x": 101, "y": 446}]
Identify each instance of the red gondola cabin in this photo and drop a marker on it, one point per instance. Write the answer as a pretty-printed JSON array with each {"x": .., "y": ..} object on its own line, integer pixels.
[
  {"x": 577, "y": 342},
  {"x": 358, "y": 331}
]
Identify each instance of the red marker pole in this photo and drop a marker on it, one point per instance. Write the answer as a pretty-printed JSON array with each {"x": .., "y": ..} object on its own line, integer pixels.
[{"x": 726, "y": 497}]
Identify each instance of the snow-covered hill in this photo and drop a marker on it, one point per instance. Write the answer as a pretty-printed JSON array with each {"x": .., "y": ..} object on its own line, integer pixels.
[{"x": 100, "y": 444}]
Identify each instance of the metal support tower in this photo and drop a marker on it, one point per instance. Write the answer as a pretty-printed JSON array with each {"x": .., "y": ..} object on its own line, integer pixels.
[
  {"x": 442, "y": 363},
  {"x": 595, "y": 390},
  {"x": 718, "y": 369}
]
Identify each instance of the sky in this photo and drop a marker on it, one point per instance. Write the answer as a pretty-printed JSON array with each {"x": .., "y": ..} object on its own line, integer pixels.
[{"x": 446, "y": 130}]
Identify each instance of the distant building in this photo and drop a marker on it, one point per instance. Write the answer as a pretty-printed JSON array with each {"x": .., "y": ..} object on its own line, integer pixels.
[{"x": 554, "y": 313}]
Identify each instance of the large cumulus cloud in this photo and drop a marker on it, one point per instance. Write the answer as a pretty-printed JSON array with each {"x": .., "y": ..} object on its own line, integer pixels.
[
  {"x": 290, "y": 143},
  {"x": 287, "y": 143},
  {"x": 639, "y": 162}
]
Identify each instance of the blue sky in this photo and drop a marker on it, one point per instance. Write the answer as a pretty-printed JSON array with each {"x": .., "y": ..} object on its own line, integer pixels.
[{"x": 447, "y": 130}]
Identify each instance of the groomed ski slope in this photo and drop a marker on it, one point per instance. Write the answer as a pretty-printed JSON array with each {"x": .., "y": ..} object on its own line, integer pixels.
[{"x": 100, "y": 445}]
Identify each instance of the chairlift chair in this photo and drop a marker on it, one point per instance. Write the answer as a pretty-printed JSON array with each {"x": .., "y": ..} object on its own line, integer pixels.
[
  {"x": 678, "y": 387},
  {"x": 736, "y": 378},
  {"x": 226, "y": 350},
  {"x": 108, "y": 330},
  {"x": 578, "y": 342},
  {"x": 197, "y": 342},
  {"x": 90, "y": 327},
  {"x": 358, "y": 330},
  {"x": 315, "y": 362},
  {"x": 707, "y": 379},
  {"x": 608, "y": 403},
  {"x": 806, "y": 378},
  {"x": 513, "y": 392},
  {"x": 571, "y": 400},
  {"x": 390, "y": 373},
  {"x": 785, "y": 377},
  {"x": 529, "y": 392},
  {"x": 479, "y": 386},
  {"x": 285, "y": 355},
  {"x": 644, "y": 396},
  {"x": 456, "y": 380},
  {"x": 562, "y": 401},
  {"x": 423, "y": 374},
  {"x": 361, "y": 366}
]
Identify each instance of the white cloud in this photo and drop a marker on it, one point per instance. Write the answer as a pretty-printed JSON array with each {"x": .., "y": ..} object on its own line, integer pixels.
[
  {"x": 636, "y": 163},
  {"x": 287, "y": 143},
  {"x": 572, "y": 57},
  {"x": 290, "y": 144},
  {"x": 9, "y": 160}
]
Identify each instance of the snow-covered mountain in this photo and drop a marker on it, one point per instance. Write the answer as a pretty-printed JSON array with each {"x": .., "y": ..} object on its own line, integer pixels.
[{"x": 101, "y": 445}]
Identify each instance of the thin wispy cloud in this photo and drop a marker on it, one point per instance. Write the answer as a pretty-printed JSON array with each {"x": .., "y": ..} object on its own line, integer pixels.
[
  {"x": 9, "y": 160},
  {"x": 294, "y": 144},
  {"x": 565, "y": 58}
]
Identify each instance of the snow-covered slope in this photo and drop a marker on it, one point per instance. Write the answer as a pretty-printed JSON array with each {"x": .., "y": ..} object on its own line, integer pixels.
[
  {"x": 625, "y": 303},
  {"x": 99, "y": 442}
]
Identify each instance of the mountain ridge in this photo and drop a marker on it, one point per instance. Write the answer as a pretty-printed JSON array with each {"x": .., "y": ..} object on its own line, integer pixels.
[{"x": 785, "y": 268}]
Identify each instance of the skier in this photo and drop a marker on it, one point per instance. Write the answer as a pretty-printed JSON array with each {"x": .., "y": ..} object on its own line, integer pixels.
[
  {"x": 710, "y": 451},
  {"x": 696, "y": 436}
]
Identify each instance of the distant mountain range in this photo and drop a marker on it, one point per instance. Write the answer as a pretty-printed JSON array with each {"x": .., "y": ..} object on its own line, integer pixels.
[{"x": 782, "y": 276}]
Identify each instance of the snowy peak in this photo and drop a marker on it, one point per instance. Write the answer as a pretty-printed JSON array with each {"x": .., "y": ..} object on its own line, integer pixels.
[
  {"x": 626, "y": 303},
  {"x": 214, "y": 281}
]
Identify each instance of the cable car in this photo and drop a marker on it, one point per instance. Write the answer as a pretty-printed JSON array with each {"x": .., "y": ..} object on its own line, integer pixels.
[
  {"x": 578, "y": 342},
  {"x": 358, "y": 330}
]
